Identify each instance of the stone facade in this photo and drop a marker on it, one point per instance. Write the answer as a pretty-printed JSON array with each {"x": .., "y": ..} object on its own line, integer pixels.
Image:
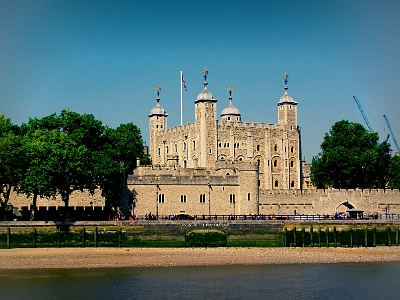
[{"x": 229, "y": 167}]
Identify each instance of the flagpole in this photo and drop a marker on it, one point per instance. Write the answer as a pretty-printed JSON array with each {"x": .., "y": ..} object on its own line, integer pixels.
[{"x": 181, "y": 97}]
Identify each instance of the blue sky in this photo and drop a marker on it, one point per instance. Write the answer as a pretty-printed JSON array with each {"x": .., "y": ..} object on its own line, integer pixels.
[{"x": 106, "y": 57}]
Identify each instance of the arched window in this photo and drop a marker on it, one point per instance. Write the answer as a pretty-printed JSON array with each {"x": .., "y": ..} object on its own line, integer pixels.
[
  {"x": 258, "y": 147},
  {"x": 275, "y": 163},
  {"x": 276, "y": 183},
  {"x": 276, "y": 148},
  {"x": 291, "y": 149},
  {"x": 291, "y": 164}
]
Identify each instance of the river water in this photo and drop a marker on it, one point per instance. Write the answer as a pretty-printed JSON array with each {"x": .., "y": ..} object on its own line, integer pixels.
[{"x": 301, "y": 281}]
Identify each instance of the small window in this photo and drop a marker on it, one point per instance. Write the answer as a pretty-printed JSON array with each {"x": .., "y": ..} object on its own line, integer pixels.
[
  {"x": 194, "y": 145},
  {"x": 160, "y": 198},
  {"x": 202, "y": 198},
  {"x": 291, "y": 149},
  {"x": 232, "y": 198},
  {"x": 159, "y": 151},
  {"x": 166, "y": 149},
  {"x": 292, "y": 184},
  {"x": 276, "y": 148},
  {"x": 248, "y": 196},
  {"x": 183, "y": 198},
  {"x": 258, "y": 147},
  {"x": 229, "y": 118},
  {"x": 275, "y": 163},
  {"x": 184, "y": 146},
  {"x": 276, "y": 183},
  {"x": 291, "y": 164}
]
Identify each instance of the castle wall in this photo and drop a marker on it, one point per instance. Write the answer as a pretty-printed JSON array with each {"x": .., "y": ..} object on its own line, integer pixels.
[{"x": 76, "y": 199}]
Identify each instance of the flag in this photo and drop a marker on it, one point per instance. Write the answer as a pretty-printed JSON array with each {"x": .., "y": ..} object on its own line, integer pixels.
[{"x": 184, "y": 84}]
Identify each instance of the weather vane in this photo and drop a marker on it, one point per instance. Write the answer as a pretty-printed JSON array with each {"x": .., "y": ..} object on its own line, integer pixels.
[
  {"x": 158, "y": 89},
  {"x": 205, "y": 74},
  {"x": 230, "y": 90},
  {"x": 286, "y": 76}
]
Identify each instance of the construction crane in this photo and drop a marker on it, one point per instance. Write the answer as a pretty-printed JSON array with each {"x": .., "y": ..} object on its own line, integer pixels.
[
  {"x": 391, "y": 132},
  {"x": 363, "y": 114}
]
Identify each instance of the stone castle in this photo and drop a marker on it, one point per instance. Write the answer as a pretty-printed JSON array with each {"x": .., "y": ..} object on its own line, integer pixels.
[
  {"x": 221, "y": 165},
  {"x": 225, "y": 166}
]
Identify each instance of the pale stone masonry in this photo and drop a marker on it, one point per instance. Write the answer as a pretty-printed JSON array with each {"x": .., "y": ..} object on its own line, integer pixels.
[
  {"x": 224, "y": 159},
  {"x": 225, "y": 166}
]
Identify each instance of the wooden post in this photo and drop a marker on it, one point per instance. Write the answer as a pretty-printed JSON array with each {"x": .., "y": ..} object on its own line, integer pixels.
[
  {"x": 294, "y": 237},
  {"x": 286, "y": 244},
  {"x": 95, "y": 237},
  {"x": 312, "y": 236},
  {"x": 119, "y": 237},
  {"x": 351, "y": 238},
  {"x": 374, "y": 237},
  {"x": 34, "y": 237},
  {"x": 59, "y": 237},
  {"x": 303, "y": 235},
  {"x": 334, "y": 236},
  {"x": 8, "y": 238},
  {"x": 319, "y": 237},
  {"x": 327, "y": 237},
  {"x": 84, "y": 237}
]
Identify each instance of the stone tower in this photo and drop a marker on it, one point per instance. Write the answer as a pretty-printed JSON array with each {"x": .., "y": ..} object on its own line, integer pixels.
[
  {"x": 206, "y": 127},
  {"x": 287, "y": 108},
  {"x": 158, "y": 125},
  {"x": 290, "y": 144}
]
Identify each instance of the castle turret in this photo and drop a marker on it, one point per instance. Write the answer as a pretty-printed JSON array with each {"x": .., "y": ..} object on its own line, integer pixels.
[
  {"x": 290, "y": 147},
  {"x": 230, "y": 114},
  {"x": 158, "y": 124},
  {"x": 206, "y": 118},
  {"x": 287, "y": 108}
]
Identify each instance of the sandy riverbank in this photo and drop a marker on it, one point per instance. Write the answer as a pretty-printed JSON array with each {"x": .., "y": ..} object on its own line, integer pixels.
[{"x": 54, "y": 258}]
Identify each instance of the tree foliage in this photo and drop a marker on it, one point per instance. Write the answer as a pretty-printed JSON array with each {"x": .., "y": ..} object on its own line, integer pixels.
[
  {"x": 351, "y": 158},
  {"x": 58, "y": 154},
  {"x": 394, "y": 173}
]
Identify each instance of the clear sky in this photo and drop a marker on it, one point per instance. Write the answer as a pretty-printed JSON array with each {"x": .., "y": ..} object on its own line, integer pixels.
[{"x": 106, "y": 57}]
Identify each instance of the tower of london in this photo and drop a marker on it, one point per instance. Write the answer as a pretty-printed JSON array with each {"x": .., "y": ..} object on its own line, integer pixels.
[{"x": 217, "y": 164}]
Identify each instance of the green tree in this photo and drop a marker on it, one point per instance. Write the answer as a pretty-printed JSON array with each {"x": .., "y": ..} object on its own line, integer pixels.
[
  {"x": 393, "y": 177},
  {"x": 127, "y": 142},
  {"x": 12, "y": 165},
  {"x": 62, "y": 152},
  {"x": 351, "y": 158}
]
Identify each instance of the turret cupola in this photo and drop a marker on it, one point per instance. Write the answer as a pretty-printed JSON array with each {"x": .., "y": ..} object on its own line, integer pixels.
[
  {"x": 158, "y": 110},
  {"x": 230, "y": 113},
  {"x": 205, "y": 95}
]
